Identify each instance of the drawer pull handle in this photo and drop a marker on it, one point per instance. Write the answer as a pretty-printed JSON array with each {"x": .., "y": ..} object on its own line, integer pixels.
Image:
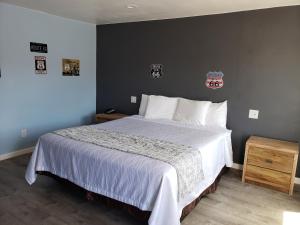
[{"x": 269, "y": 161}]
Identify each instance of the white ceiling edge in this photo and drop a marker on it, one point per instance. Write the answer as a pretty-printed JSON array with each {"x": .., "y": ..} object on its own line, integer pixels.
[
  {"x": 116, "y": 11},
  {"x": 198, "y": 15}
]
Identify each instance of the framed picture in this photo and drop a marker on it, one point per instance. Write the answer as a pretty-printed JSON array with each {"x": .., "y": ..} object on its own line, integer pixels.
[
  {"x": 70, "y": 67},
  {"x": 40, "y": 65}
]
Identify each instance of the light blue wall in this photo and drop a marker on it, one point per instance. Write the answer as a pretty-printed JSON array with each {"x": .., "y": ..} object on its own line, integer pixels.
[{"x": 43, "y": 103}]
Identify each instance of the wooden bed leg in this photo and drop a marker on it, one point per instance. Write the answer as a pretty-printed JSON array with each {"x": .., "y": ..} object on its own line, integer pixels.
[{"x": 90, "y": 196}]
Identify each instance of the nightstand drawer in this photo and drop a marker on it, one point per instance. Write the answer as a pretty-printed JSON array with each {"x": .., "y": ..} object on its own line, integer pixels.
[
  {"x": 267, "y": 158},
  {"x": 271, "y": 163},
  {"x": 270, "y": 178}
]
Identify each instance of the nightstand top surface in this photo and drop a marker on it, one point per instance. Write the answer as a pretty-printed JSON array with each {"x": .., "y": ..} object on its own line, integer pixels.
[
  {"x": 110, "y": 116},
  {"x": 273, "y": 143}
]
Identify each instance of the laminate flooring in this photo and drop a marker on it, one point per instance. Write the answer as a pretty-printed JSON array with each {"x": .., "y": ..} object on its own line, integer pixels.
[{"x": 50, "y": 202}]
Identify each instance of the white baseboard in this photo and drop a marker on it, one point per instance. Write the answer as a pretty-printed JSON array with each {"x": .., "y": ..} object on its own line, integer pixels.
[
  {"x": 240, "y": 167},
  {"x": 16, "y": 153},
  {"x": 237, "y": 166}
]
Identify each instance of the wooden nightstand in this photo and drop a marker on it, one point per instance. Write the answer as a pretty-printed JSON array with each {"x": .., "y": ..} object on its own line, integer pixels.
[
  {"x": 271, "y": 163},
  {"x": 102, "y": 117}
]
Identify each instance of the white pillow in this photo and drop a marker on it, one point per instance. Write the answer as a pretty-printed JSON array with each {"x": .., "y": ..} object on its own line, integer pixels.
[
  {"x": 191, "y": 112},
  {"x": 160, "y": 107},
  {"x": 217, "y": 115},
  {"x": 143, "y": 105}
]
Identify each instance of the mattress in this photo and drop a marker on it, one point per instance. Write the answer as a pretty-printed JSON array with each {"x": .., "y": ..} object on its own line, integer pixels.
[{"x": 149, "y": 184}]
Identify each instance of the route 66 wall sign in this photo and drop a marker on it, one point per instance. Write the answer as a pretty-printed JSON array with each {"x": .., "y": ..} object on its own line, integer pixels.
[
  {"x": 40, "y": 65},
  {"x": 214, "y": 80},
  {"x": 156, "y": 70}
]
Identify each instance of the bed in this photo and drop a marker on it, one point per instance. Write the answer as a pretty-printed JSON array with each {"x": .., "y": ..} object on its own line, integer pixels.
[{"x": 143, "y": 182}]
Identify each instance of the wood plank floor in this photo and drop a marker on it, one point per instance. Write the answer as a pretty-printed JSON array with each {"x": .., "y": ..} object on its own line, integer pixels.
[{"x": 49, "y": 202}]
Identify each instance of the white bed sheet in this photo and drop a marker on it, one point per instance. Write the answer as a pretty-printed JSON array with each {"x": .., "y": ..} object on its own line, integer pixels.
[{"x": 146, "y": 183}]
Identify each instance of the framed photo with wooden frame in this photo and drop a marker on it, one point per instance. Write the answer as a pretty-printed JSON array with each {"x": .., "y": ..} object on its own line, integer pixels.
[{"x": 70, "y": 67}]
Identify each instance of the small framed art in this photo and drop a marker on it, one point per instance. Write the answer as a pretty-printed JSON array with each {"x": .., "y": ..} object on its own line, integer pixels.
[{"x": 70, "y": 67}]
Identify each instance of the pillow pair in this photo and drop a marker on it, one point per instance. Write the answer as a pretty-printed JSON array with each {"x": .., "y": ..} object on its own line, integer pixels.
[{"x": 184, "y": 110}]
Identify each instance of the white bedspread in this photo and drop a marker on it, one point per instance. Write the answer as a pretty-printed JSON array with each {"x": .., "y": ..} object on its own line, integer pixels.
[{"x": 146, "y": 183}]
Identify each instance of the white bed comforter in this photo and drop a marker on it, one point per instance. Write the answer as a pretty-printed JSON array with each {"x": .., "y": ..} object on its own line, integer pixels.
[{"x": 137, "y": 180}]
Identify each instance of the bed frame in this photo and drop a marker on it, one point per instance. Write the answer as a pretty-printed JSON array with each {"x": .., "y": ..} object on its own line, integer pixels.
[{"x": 143, "y": 216}]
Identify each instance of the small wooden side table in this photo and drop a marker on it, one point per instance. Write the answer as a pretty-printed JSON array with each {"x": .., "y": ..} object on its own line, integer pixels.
[
  {"x": 271, "y": 163},
  {"x": 102, "y": 117}
]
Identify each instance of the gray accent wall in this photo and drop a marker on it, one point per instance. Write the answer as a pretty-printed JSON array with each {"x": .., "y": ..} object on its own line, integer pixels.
[{"x": 258, "y": 52}]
